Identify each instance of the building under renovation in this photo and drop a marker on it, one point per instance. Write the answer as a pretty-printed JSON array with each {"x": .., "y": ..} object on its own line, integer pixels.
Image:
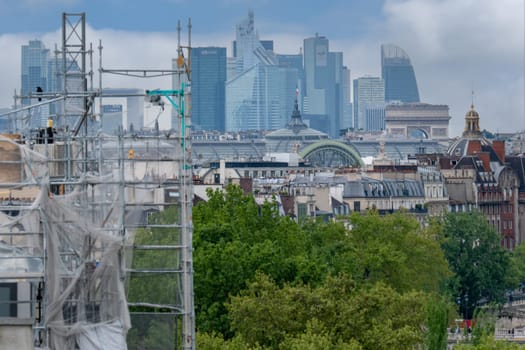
[{"x": 95, "y": 230}]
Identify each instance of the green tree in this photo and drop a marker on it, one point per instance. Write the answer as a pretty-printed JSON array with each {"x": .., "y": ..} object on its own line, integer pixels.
[
  {"x": 437, "y": 322},
  {"x": 489, "y": 343},
  {"x": 316, "y": 337},
  {"x": 395, "y": 250},
  {"x": 485, "y": 326},
  {"x": 517, "y": 269},
  {"x": 479, "y": 263},
  {"x": 214, "y": 341},
  {"x": 233, "y": 238},
  {"x": 334, "y": 313}
]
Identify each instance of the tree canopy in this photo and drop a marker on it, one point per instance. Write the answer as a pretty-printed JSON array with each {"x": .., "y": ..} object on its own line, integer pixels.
[
  {"x": 480, "y": 265},
  {"x": 264, "y": 280}
]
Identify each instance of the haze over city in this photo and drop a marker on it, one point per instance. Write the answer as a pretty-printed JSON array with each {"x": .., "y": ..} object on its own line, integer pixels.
[{"x": 455, "y": 46}]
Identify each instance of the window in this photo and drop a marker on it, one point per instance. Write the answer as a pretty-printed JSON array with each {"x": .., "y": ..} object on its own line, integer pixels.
[
  {"x": 302, "y": 210},
  {"x": 8, "y": 296},
  {"x": 357, "y": 206}
]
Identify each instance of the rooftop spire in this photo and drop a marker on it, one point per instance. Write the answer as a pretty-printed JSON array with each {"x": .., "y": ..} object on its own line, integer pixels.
[
  {"x": 472, "y": 104},
  {"x": 296, "y": 122}
]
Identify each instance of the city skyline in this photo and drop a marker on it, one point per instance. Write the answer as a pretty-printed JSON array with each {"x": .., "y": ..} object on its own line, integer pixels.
[{"x": 455, "y": 47}]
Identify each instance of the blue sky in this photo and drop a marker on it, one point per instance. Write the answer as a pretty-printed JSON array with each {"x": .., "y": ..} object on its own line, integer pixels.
[
  {"x": 454, "y": 45},
  {"x": 208, "y": 15}
]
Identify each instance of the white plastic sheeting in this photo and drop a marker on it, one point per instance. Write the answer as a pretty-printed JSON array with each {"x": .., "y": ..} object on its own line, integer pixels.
[
  {"x": 75, "y": 243},
  {"x": 102, "y": 337},
  {"x": 84, "y": 273}
]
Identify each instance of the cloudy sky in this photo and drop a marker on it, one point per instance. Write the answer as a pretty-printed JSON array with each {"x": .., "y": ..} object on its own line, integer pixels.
[{"x": 456, "y": 46}]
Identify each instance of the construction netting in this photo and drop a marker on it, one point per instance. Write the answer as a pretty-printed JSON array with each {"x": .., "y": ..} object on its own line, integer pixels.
[
  {"x": 71, "y": 245},
  {"x": 70, "y": 230}
]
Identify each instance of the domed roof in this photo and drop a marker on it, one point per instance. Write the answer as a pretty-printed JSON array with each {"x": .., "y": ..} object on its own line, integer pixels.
[
  {"x": 472, "y": 113},
  {"x": 472, "y": 124},
  {"x": 461, "y": 146}
]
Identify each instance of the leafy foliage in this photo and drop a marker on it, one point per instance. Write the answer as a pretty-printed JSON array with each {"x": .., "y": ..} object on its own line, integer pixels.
[
  {"x": 437, "y": 322},
  {"x": 489, "y": 343},
  {"x": 394, "y": 250},
  {"x": 479, "y": 263},
  {"x": 233, "y": 238},
  {"x": 334, "y": 314},
  {"x": 274, "y": 283}
]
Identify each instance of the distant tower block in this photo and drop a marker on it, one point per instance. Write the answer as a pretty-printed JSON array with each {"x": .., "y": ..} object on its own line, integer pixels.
[{"x": 398, "y": 74}]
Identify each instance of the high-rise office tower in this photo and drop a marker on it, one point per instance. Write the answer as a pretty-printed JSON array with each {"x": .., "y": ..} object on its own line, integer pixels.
[
  {"x": 347, "y": 120},
  {"x": 132, "y": 107},
  {"x": 258, "y": 91},
  {"x": 42, "y": 73},
  {"x": 112, "y": 114},
  {"x": 35, "y": 59},
  {"x": 294, "y": 61},
  {"x": 324, "y": 77},
  {"x": 55, "y": 82},
  {"x": 369, "y": 94},
  {"x": 208, "y": 86},
  {"x": 398, "y": 74}
]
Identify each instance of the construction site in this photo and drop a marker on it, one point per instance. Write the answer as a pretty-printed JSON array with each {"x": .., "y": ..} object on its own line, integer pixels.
[{"x": 95, "y": 229}]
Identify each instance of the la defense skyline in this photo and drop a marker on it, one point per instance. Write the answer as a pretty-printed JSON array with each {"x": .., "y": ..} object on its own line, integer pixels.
[
  {"x": 255, "y": 89},
  {"x": 260, "y": 84}
]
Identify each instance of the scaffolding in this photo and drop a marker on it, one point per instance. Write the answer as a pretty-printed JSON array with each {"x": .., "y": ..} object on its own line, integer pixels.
[{"x": 95, "y": 229}]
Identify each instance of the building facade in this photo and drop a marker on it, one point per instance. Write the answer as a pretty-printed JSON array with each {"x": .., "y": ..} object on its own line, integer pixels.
[
  {"x": 258, "y": 92},
  {"x": 398, "y": 74},
  {"x": 324, "y": 77},
  {"x": 369, "y": 94},
  {"x": 208, "y": 88},
  {"x": 347, "y": 120},
  {"x": 417, "y": 120},
  {"x": 132, "y": 108},
  {"x": 35, "y": 58},
  {"x": 478, "y": 177}
]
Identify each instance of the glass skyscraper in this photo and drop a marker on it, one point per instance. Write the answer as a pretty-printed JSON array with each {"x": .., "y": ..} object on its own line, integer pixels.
[
  {"x": 324, "y": 83},
  {"x": 398, "y": 74},
  {"x": 208, "y": 86},
  {"x": 369, "y": 99},
  {"x": 35, "y": 59},
  {"x": 39, "y": 70},
  {"x": 259, "y": 93}
]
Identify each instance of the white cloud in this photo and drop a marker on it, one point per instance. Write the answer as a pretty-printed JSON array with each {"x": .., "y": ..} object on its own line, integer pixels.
[
  {"x": 454, "y": 45},
  {"x": 457, "y": 45}
]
